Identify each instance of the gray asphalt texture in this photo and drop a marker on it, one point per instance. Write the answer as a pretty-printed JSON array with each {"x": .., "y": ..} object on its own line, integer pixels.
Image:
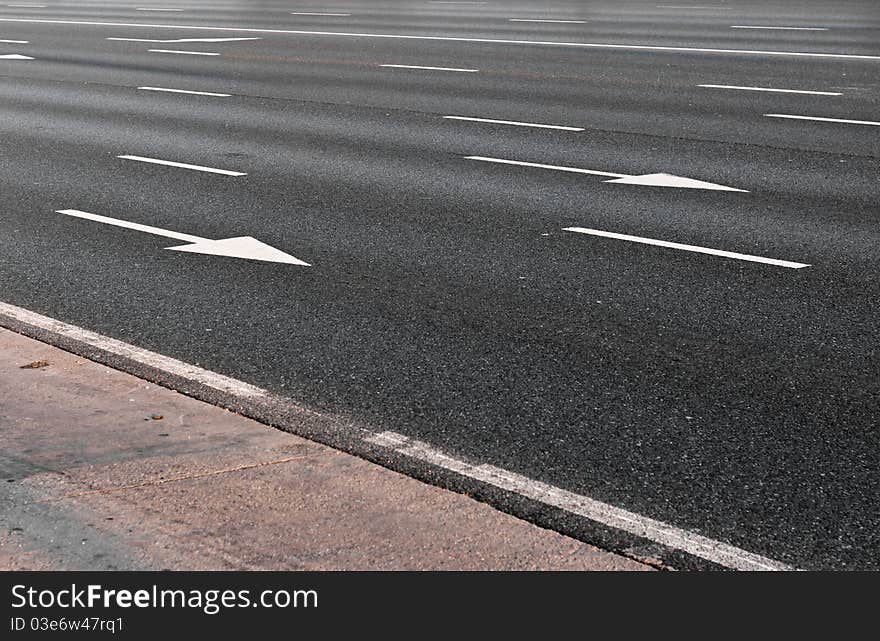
[{"x": 445, "y": 302}]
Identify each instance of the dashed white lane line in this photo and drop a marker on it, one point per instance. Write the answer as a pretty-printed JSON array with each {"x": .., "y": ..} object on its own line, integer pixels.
[
  {"x": 315, "y": 13},
  {"x": 690, "y": 248},
  {"x": 739, "y": 26},
  {"x": 547, "y": 20},
  {"x": 714, "y": 551},
  {"x": 14, "y": 42},
  {"x": 179, "y": 40},
  {"x": 186, "y": 53},
  {"x": 169, "y": 163},
  {"x": 27, "y": 6},
  {"x": 843, "y": 120},
  {"x": 150, "y": 359},
  {"x": 536, "y": 165},
  {"x": 812, "y": 93},
  {"x": 514, "y": 123},
  {"x": 155, "y": 9},
  {"x": 186, "y": 91},
  {"x": 430, "y": 68},
  {"x": 15, "y": 56},
  {"x": 399, "y": 36}
]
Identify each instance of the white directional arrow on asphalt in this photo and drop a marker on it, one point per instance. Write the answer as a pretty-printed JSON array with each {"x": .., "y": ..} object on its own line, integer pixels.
[
  {"x": 240, "y": 247},
  {"x": 14, "y": 56},
  {"x": 652, "y": 180}
]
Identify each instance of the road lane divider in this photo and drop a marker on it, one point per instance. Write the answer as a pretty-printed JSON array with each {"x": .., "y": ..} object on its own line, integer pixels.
[
  {"x": 841, "y": 120},
  {"x": 780, "y": 28},
  {"x": 691, "y": 248},
  {"x": 179, "y": 40},
  {"x": 188, "y": 53},
  {"x": 180, "y": 165},
  {"x": 430, "y": 68},
  {"x": 186, "y": 91},
  {"x": 812, "y": 93},
  {"x": 547, "y": 20},
  {"x": 513, "y": 122}
]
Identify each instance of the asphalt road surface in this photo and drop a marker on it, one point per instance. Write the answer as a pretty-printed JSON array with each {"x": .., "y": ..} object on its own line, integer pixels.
[{"x": 519, "y": 313}]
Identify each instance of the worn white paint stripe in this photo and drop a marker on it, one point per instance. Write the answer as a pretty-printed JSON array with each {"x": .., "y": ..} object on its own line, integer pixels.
[
  {"x": 186, "y": 91},
  {"x": 812, "y": 93},
  {"x": 690, "y": 248},
  {"x": 574, "y": 170},
  {"x": 314, "y": 13},
  {"x": 156, "y": 161},
  {"x": 151, "y": 359},
  {"x": 396, "y": 36},
  {"x": 189, "y": 53},
  {"x": 430, "y": 68},
  {"x": 14, "y": 42},
  {"x": 156, "y": 9},
  {"x": 547, "y": 20},
  {"x": 514, "y": 122},
  {"x": 781, "y": 28},
  {"x": 848, "y": 122},
  {"x": 714, "y": 551}
]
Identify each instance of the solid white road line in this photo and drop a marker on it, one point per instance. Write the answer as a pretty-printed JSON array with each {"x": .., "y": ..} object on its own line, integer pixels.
[
  {"x": 574, "y": 170},
  {"x": 14, "y": 42},
  {"x": 781, "y": 28},
  {"x": 188, "y": 53},
  {"x": 813, "y": 93},
  {"x": 150, "y": 359},
  {"x": 849, "y": 122},
  {"x": 390, "y": 36},
  {"x": 714, "y": 551},
  {"x": 195, "y": 93},
  {"x": 430, "y": 68},
  {"x": 690, "y": 248},
  {"x": 514, "y": 122},
  {"x": 553, "y": 21},
  {"x": 156, "y": 161}
]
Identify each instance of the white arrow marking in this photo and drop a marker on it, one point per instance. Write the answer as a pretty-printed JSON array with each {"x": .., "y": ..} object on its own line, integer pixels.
[
  {"x": 690, "y": 248},
  {"x": 15, "y": 56},
  {"x": 183, "y": 39},
  {"x": 652, "y": 180},
  {"x": 240, "y": 247}
]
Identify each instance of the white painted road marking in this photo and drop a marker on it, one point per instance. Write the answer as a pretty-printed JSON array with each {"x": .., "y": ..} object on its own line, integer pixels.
[
  {"x": 651, "y": 180},
  {"x": 813, "y": 93},
  {"x": 153, "y": 360},
  {"x": 156, "y": 161},
  {"x": 156, "y": 9},
  {"x": 14, "y": 56},
  {"x": 189, "y": 53},
  {"x": 781, "y": 28},
  {"x": 310, "y": 13},
  {"x": 14, "y": 42},
  {"x": 195, "y": 93},
  {"x": 178, "y": 40},
  {"x": 240, "y": 247},
  {"x": 705, "y": 548},
  {"x": 714, "y": 551},
  {"x": 430, "y": 68},
  {"x": 553, "y": 21},
  {"x": 514, "y": 122},
  {"x": 690, "y": 248},
  {"x": 395, "y": 36},
  {"x": 849, "y": 122}
]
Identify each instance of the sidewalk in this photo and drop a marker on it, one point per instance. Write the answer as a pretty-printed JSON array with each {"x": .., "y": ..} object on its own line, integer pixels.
[{"x": 104, "y": 471}]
